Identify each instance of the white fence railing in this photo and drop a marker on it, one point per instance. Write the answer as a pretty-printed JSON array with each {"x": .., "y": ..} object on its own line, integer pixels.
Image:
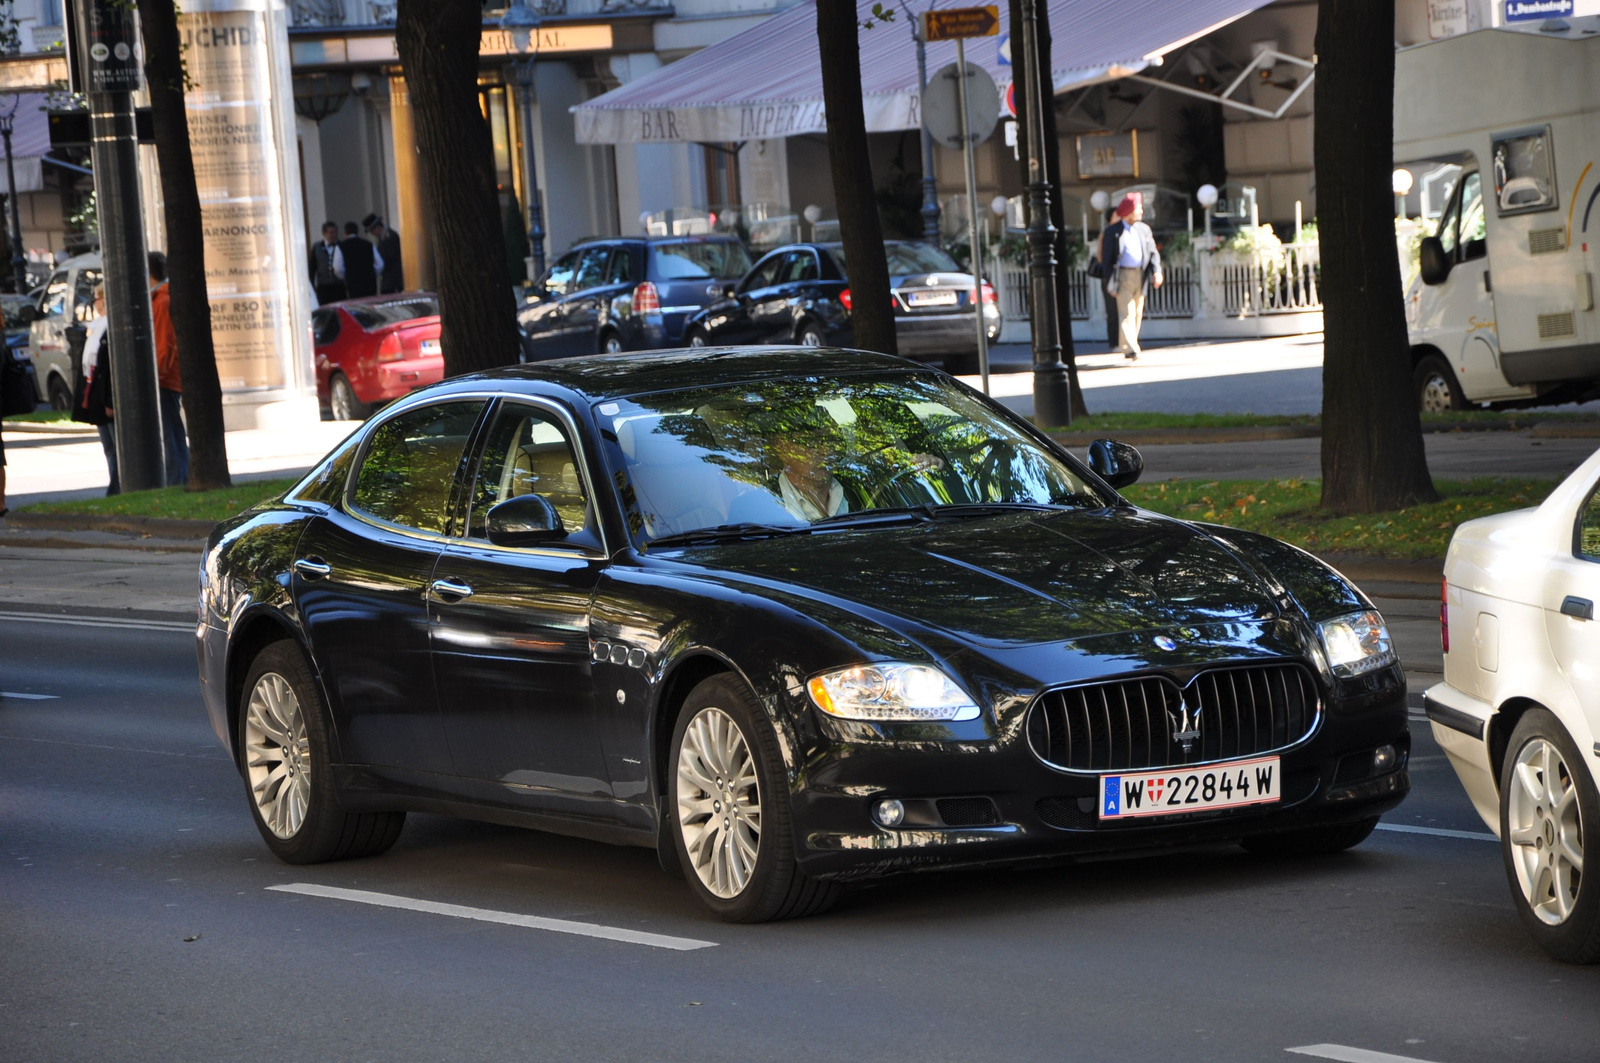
[{"x": 1216, "y": 284}]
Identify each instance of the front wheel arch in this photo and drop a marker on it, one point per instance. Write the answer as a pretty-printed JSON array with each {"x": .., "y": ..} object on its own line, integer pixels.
[{"x": 255, "y": 632}]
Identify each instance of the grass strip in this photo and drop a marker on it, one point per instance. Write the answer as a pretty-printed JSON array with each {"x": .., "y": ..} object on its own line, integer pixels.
[
  {"x": 42, "y": 417},
  {"x": 175, "y": 503},
  {"x": 1287, "y": 510}
]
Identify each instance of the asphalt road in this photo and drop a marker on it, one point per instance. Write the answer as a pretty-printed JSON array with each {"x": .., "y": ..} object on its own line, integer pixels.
[{"x": 138, "y": 921}]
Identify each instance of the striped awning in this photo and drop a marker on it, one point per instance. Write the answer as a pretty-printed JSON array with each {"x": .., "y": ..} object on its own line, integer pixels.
[{"x": 767, "y": 81}]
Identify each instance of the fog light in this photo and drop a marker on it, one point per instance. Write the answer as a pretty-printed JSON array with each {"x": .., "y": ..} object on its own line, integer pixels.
[
  {"x": 1384, "y": 759},
  {"x": 889, "y": 813}
]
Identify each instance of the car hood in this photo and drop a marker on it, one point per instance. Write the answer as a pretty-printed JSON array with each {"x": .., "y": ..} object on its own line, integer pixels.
[{"x": 1014, "y": 580}]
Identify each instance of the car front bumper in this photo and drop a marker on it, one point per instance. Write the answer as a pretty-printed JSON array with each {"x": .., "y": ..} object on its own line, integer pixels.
[{"x": 1045, "y": 814}]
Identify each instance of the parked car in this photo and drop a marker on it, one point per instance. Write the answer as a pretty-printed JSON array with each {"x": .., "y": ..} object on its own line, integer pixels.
[
  {"x": 67, "y": 299},
  {"x": 629, "y": 294},
  {"x": 788, "y": 617},
  {"x": 374, "y": 349},
  {"x": 1518, "y": 712},
  {"x": 800, "y": 294}
]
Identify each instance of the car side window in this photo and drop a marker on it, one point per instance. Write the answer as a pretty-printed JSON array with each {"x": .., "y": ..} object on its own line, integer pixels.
[
  {"x": 620, "y": 271},
  {"x": 762, "y": 276},
  {"x": 528, "y": 453},
  {"x": 1448, "y": 221},
  {"x": 54, "y": 301},
  {"x": 410, "y": 465},
  {"x": 1474, "y": 235},
  {"x": 83, "y": 295},
  {"x": 559, "y": 280},
  {"x": 800, "y": 266},
  {"x": 591, "y": 269},
  {"x": 1589, "y": 527},
  {"x": 326, "y": 482}
]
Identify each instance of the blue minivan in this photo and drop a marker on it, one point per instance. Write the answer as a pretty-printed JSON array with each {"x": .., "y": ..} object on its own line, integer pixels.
[{"x": 626, "y": 294}]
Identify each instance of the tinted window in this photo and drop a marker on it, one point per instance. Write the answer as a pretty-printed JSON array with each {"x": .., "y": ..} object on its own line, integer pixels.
[
  {"x": 765, "y": 272},
  {"x": 324, "y": 326},
  {"x": 698, "y": 260},
  {"x": 410, "y": 464},
  {"x": 559, "y": 280},
  {"x": 527, "y": 454},
  {"x": 591, "y": 269},
  {"x": 83, "y": 295},
  {"x": 621, "y": 269},
  {"x": 326, "y": 482},
  {"x": 376, "y": 315},
  {"x": 1589, "y": 528}
]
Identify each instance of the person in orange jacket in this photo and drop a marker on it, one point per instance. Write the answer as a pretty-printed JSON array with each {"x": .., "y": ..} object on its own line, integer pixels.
[{"x": 174, "y": 442}]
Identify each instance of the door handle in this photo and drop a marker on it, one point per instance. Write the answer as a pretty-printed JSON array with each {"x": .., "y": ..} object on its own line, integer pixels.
[
  {"x": 450, "y": 590},
  {"x": 312, "y": 567},
  {"x": 1581, "y": 608},
  {"x": 1488, "y": 286}
]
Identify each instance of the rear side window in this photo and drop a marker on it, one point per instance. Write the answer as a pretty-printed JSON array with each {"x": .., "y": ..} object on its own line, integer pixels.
[
  {"x": 698, "y": 260},
  {"x": 591, "y": 269},
  {"x": 324, "y": 326},
  {"x": 326, "y": 482},
  {"x": 410, "y": 465},
  {"x": 621, "y": 269}
]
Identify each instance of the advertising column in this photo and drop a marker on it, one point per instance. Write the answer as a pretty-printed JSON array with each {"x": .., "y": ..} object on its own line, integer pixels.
[{"x": 240, "y": 103}]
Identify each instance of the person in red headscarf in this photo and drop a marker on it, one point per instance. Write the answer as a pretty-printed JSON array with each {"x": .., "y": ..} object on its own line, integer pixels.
[{"x": 1138, "y": 261}]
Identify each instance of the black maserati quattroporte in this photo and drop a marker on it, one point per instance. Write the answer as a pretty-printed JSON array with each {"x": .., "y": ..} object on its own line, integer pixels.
[{"x": 791, "y": 617}]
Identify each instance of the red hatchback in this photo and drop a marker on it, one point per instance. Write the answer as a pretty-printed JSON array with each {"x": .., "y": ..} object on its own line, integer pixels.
[{"x": 372, "y": 350}]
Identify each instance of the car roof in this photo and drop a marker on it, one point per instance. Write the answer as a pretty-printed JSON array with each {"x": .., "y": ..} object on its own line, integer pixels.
[
  {"x": 698, "y": 238},
  {"x": 598, "y": 377}
]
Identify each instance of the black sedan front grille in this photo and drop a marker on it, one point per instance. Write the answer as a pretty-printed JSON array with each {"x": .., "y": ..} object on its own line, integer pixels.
[{"x": 1148, "y": 722}]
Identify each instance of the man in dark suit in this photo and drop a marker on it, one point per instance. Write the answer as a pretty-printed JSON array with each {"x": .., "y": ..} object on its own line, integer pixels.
[
  {"x": 362, "y": 263},
  {"x": 327, "y": 266},
  {"x": 393, "y": 278}
]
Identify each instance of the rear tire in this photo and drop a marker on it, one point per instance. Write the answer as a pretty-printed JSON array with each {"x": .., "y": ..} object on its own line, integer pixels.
[
  {"x": 611, "y": 343},
  {"x": 1311, "y": 841},
  {"x": 728, "y": 805},
  {"x": 1546, "y": 797},
  {"x": 809, "y": 336},
  {"x": 284, "y": 747},
  {"x": 60, "y": 395},
  {"x": 1436, "y": 386},
  {"x": 342, "y": 401},
  {"x": 695, "y": 338}
]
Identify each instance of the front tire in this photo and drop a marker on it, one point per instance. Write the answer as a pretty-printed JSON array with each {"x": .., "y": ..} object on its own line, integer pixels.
[
  {"x": 809, "y": 336},
  {"x": 611, "y": 343},
  {"x": 696, "y": 338},
  {"x": 1545, "y": 800},
  {"x": 342, "y": 401},
  {"x": 284, "y": 744},
  {"x": 1437, "y": 389},
  {"x": 1311, "y": 841},
  {"x": 60, "y": 395},
  {"x": 729, "y": 809}
]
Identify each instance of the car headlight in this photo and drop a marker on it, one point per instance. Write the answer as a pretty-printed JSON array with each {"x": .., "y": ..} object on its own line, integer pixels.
[
  {"x": 1356, "y": 644},
  {"x": 891, "y": 691}
]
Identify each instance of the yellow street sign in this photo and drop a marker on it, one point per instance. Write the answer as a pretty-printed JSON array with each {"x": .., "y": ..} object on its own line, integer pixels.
[{"x": 947, "y": 24}]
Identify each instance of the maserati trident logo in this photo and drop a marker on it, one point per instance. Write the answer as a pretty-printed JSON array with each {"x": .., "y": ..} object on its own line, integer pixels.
[{"x": 1185, "y": 726}]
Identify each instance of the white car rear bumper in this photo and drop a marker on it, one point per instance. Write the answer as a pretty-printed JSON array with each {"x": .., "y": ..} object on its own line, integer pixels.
[{"x": 1461, "y": 727}]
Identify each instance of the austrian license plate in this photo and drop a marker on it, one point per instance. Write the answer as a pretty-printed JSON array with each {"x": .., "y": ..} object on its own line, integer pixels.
[
  {"x": 935, "y": 298},
  {"x": 430, "y": 347},
  {"x": 1177, "y": 790}
]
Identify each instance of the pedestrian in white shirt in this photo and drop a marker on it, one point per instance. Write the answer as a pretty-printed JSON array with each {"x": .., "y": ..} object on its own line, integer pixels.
[{"x": 1138, "y": 259}]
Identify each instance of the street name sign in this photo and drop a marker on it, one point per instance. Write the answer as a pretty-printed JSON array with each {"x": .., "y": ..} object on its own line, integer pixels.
[{"x": 955, "y": 23}]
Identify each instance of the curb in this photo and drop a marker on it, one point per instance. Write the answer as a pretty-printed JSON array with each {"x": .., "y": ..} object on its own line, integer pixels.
[
  {"x": 48, "y": 428},
  {"x": 164, "y": 527},
  {"x": 1264, "y": 433}
]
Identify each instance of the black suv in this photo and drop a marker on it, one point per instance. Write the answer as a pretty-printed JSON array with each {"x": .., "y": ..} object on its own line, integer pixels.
[{"x": 626, "y": 294}]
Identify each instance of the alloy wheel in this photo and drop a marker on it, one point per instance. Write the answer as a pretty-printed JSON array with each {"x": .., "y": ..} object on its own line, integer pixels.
[
  {"x": 719, "y": 803},
  {"x": 697, "y": 339},
  {"x": 342, "y": 401},
  {"x": 811, "y": 338},
  {"x": 1436, "y": 397},
  {"x": 1546, "y": 831},
  {"x": 613, "y": 344},
  {"x": 278, "y": 755}
]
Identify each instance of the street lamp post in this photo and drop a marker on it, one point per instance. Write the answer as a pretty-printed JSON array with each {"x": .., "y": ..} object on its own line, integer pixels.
[
  {"x": 522, "y": 22},
  {"x": 19, "y": 262},
  {"x": 1052, "y": 404}
]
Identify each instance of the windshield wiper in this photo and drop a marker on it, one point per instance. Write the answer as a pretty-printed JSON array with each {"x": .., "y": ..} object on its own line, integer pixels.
[
  {"x": 727, "y": 532},
  {"x": 887, "y": 515}
]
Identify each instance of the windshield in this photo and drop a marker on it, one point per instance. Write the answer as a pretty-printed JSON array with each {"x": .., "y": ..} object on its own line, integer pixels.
[
  {"x": 905, "y": 259},
  {"x": 376, "y": 315},
  {"x": 699, "y": 260},
  {"x": 789, "y": 453}
]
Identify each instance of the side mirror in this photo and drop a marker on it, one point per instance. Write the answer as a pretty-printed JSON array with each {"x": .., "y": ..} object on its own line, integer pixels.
[
  {"x": 1117, "y": 464},
  {"x": 1435, "y": 262},
  {"x": 527, "y": 520}
]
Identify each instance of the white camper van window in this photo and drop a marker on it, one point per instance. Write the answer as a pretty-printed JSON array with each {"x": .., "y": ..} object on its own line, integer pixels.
[
  {"x": 1473, "y": 231},
  {"x": 1524, "y": 177}
]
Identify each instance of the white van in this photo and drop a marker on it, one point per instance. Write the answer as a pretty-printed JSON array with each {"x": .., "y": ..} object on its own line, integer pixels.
[
  {"x": 1503, "y": 310},
  {"x": 67, "y": 299}
]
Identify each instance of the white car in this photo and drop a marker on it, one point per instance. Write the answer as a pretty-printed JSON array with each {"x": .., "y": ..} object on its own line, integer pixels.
[
  {"x": 66, "y": 299},
  {"x": 1518, "y": 712}
]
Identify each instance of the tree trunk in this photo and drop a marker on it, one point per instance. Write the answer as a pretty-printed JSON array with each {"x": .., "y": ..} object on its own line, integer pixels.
[
  {"x": 1052, "y": 164},
  {"x": 872, "y": 309},
  {"x": 1372, "y": 454},
  {"x": 186, "y": 251},
  {"x": 438, "y": 45}
]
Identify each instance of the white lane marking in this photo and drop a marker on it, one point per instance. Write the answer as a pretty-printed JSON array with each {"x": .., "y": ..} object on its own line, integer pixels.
[
  {"x": 99, "y": 621},
  {"x": 1346, "y": 1054},
  {"x": 28, "y": 697},
  {"x": 486, "y": 915},
  {"x": 1439, "y": 832}
]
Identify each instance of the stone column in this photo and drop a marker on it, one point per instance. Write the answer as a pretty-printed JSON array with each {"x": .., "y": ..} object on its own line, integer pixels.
[{"x": 415, "y": 223}]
